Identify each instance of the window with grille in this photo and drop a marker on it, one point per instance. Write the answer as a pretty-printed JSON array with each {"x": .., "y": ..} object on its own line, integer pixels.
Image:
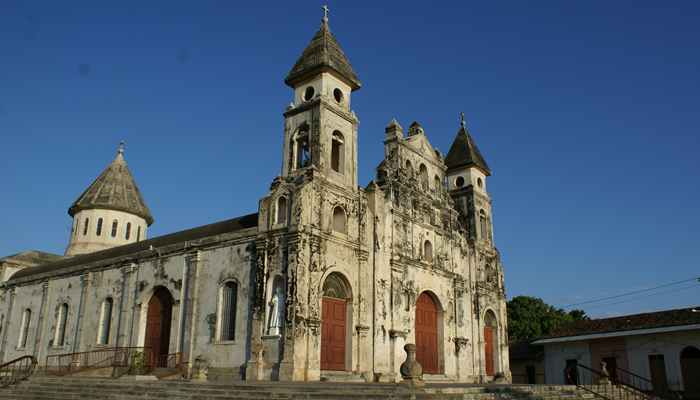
[
  {"x": 105, "y": 321},
  {"x": 24, "y": 328},
  {"x": 60, "y": 337},
  {"x": 227, "y": 311}
]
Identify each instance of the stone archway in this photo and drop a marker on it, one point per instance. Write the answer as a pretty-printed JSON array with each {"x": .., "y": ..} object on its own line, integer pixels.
[
  {"x": 490, "y": 342},
  {"x": 335, "y": 323},
  {"x": 690, "y": 369},
  {"x": 427, "y": 343},
  {"x": 158, "y": 319}
]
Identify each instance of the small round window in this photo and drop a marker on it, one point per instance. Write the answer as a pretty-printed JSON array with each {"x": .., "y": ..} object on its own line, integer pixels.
[
  {"x": 338, "y": 95},
  {"x": 459, "y": 182},
  {"x": 479, "y": 182},
  {"x": 309, "y": 93}
]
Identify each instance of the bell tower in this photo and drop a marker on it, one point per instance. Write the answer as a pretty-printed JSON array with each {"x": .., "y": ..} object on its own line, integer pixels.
[
  {"x": 320, "y": 127},
  {"x": 467, "y": 172}
]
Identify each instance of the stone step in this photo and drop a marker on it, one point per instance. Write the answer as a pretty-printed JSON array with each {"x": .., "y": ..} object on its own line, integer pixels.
[{"x": 74, "y": 388}]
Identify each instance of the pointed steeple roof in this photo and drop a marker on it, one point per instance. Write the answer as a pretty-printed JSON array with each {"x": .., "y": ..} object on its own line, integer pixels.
[
  {"x": 322, "y": 54},
  {"x": 115, "y": 189},
  {"x": 465, "y": 153}
]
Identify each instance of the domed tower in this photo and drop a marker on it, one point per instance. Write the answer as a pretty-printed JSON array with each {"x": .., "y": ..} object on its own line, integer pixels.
[
  {"x": 110, "y": 212},
  {"x": 466, "y": 180}
]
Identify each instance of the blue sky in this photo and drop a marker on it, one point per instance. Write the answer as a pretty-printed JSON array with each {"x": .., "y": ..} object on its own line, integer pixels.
[{"x": 587, "y": 113}]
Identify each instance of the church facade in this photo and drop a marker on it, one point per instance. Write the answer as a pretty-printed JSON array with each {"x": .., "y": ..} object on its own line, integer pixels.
[{"x": 329, "y": 280}]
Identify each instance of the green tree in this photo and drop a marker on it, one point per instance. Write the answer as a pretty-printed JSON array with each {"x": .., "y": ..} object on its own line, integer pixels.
[{"x": 530, "y": 317}]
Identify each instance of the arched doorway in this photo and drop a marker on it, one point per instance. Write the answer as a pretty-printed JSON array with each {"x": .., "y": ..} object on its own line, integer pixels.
[
  {"x": 690, "y": 369},
  {"x": 490, "y": 331},
  {"x": 334, "y": 325},
  {"x": 160, "y": 309},
  {"x": 427, "y": 333}
]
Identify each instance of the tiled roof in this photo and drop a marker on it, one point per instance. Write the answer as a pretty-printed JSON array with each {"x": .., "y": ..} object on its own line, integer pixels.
[
  {"x": 217, "y": 228},
  {"x": 30, "y": 258},
  {"x": 465, "y": 153},
  {"x": 323, "y": 53},
  {"x": 114, "y": 189},
  {"x": 659, "y": 319}
]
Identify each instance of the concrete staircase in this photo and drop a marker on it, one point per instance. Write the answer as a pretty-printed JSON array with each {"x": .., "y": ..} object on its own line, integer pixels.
[{"x": 73, "y": 388}]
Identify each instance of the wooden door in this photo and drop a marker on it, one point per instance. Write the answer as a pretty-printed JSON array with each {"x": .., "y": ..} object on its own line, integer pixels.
[
  {"x": 158, "y": 327},
  {"x": 657, "y": 369},
  {"x": 690, "y": 370},
  {"x": 488, "y": 350},
  {"x": 333, "y": 328},
  {"x": 427, "y": 334}
]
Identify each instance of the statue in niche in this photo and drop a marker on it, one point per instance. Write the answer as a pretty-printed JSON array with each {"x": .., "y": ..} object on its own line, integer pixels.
[{"x": 276, "y": 316}]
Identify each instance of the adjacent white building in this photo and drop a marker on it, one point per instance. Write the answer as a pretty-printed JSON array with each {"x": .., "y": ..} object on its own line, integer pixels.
[{"x": 662, "y": 347}]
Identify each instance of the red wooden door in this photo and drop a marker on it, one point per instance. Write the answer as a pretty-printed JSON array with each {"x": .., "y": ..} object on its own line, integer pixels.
[
  {"x": 427, "y": 334},
  {"x": 333, "y": 330},
  {"x": 488, "y": 349},
  {"x": 158, "y": 326}
]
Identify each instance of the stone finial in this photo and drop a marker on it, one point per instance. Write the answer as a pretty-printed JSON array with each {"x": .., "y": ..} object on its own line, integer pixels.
[
  {"x": 393, "y": 130},
  {"x": 120, "y": 149},
  {"x": 411, "y": 370},
  {"x": 462, "y": 123}
]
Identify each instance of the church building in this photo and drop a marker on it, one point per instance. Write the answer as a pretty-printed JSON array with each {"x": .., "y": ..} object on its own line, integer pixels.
[{"x": 327, "y": 281}]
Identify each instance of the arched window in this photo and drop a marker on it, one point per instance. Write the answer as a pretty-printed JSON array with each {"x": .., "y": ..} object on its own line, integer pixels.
[
  {"x": 409, "y": 168},
  {"x": 339, "y": 220},
  {"x": 127, "y": 235},
  {"x": 428, "y": 251},
  {"x": 24, "y": 328},
  {"x": 105, "y": 321},
  {"x": 99, "y": 227},
  {"x": 138, "y": 233},
  {"x": 301, "y": 147},
  {"x": 281, "y": 210},
  {"x": 85, "y": 226},
  {"x": 479, "y": 182},
  {"x": 228, "y": 294},
  {"x": 59, "y": 338},
  {"x": 437, "y": 183},
  {"x": 114, "y": 228},
  {"x": 335, "y": 286},
  {"x": 423, "y": 172},
  {"x": 337, "y": 152},
  {"x": 483, "y": 222}
]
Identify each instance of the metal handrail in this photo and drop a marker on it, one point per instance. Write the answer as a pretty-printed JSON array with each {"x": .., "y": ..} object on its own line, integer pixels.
[
  {"x": 629, "y": 387},
  {"x": 16, "y": 370},
  {"x": 68, "y": 363},
  {"x": 645, "y": 384}
]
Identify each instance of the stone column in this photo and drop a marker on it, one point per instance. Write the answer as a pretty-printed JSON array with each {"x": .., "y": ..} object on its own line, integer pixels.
[
  {"x": 461, "y": 344},
  {"x": 195, "y": 265},
  {"x": 84, "y": 283},
  {"x": 7, "y": 322},
  {"x": 362, "y": 345},
  {"x": 254, "y": 369},
  {"x": 123, "y": 301},
  {"x": 42, "y": 317}
]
